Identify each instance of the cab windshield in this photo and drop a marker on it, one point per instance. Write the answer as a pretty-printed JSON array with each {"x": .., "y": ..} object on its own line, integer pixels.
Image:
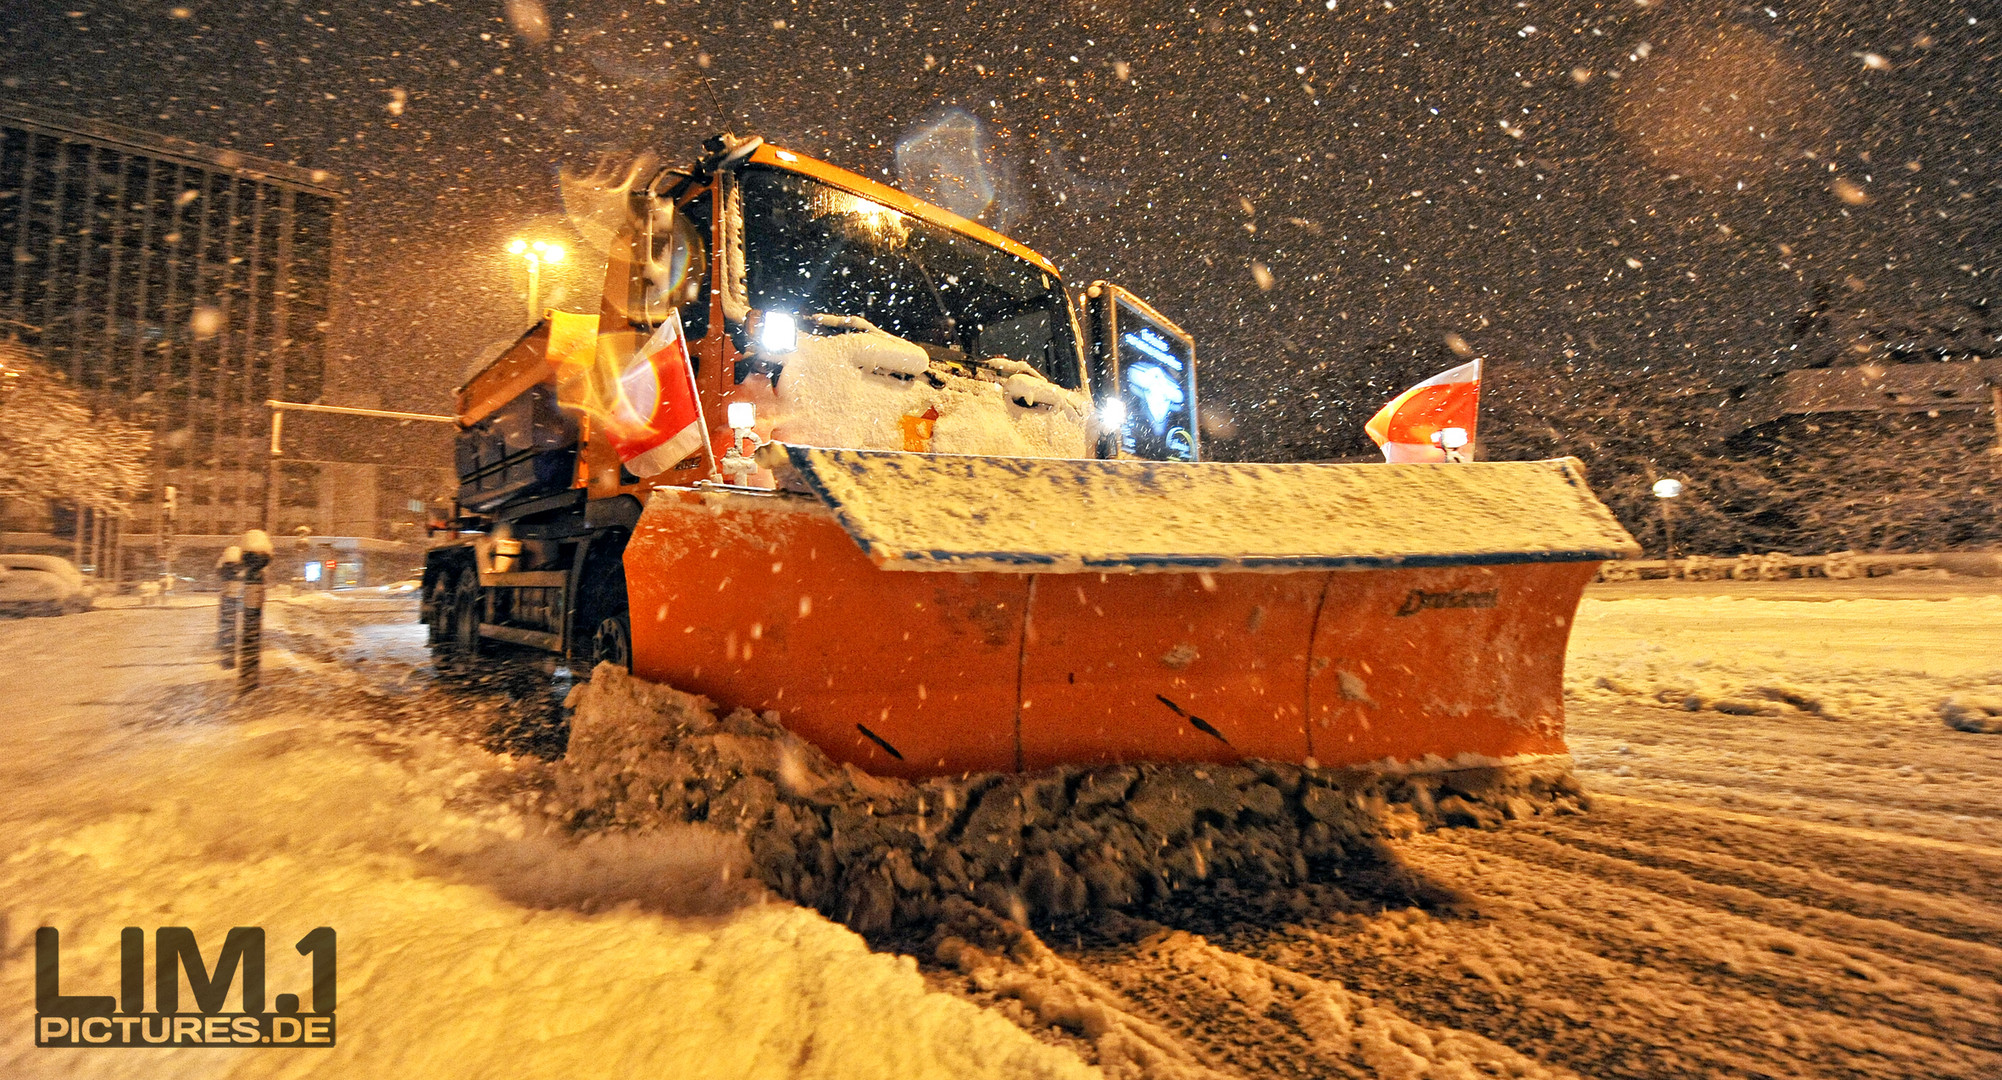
[{"x": 814, "y": 249}]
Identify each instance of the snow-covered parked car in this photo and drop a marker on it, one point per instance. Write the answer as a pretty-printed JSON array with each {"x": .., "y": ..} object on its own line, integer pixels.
[{"x": 41, "y": 585}]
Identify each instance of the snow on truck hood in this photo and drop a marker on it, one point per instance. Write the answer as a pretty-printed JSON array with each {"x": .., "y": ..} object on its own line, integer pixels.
[
  {"x": 860, "y": 389},
  {"x": 918, "y": 511}
]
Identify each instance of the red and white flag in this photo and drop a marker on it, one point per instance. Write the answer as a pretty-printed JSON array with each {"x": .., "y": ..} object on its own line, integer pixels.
[
  {"x": 655, "y": 420},
  {"x": 1420, "y": 423}
]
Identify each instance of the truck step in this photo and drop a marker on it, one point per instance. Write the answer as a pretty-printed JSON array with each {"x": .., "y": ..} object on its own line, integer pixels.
[
  {"x": 534, "y": 639},
  {"x": 527, "y": 579}
]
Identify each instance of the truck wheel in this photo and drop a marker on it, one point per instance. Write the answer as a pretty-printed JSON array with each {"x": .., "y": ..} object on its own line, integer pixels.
[
  {"x": 466, "y": 611},
  {"x": 438, "y": 625},
  {"x": 613, "y": 642},
  {"x": 602, "y": 613}
]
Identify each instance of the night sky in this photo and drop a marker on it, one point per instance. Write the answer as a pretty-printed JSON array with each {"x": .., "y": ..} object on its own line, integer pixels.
[{"x": 1332, "y": 196}]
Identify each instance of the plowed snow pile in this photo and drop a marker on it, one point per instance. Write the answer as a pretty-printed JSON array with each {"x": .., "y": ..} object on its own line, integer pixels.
[
  {"x": 963, "y": 866},
  {"x": 876, "y": 852}
]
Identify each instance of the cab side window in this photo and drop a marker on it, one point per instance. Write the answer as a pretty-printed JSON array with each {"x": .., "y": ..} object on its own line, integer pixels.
[{"x": 695, "y": 313}]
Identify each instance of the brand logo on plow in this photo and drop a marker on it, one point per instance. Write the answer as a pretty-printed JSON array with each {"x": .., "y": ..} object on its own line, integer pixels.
[
  {"x": 77, "y": 1020},
  {"x": 1419, "y": 600}
]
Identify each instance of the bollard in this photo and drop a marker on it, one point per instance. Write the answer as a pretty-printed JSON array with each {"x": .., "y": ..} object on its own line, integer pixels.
[
  {"x": 229, "y": 569},
  {"x": 250, "y": 641}
]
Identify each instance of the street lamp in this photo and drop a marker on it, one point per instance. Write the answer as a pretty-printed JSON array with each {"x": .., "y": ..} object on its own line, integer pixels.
[{"x": 538, "y": 253}]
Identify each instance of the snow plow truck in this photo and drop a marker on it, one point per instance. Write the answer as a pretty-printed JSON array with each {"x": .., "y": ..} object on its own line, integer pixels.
[{"x": 940, "y": 524}]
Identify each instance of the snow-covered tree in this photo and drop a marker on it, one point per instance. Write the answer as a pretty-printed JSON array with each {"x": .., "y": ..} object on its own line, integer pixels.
[{"x": 54, "y": 445}]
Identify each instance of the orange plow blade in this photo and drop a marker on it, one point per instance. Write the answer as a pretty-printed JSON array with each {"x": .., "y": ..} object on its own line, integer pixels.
[{"x": 917, "y": 615}]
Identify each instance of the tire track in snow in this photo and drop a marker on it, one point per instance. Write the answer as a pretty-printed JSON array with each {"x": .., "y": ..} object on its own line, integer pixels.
[
  {"x": 1726, "y": 935},
  {"x": 1885, "y": 795},
  {"x": 1915, "y": 777},
  {"x": 1921, "y": 915},
  {"x": 1241, "y": 1023},
  {"x": 1619, "y": 981},
  {"x": 1859, "y": 815},
  {"x": 1450, "y": 974},
  {"x": 1259, "y": 1019},
  {"x": 1920, "y": 767},
  {"x": 1951, "y": 867},
  {"x": 1845, "y": 832}
]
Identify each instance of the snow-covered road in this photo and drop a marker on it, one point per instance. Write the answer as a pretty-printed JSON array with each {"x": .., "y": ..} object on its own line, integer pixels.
[
  {"x": 1793, "y": 868},
  {"x": 469, "y": 947},
  {"x": 1779, "y": 902}
]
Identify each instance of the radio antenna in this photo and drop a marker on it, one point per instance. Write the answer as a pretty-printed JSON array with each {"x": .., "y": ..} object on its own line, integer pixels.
[{"x": 720, "y": 121}]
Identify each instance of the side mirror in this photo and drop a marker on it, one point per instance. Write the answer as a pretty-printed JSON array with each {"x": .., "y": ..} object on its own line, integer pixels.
[
  {"x": 1143, "y": 378},
  {"x": 671, "y": 263}
]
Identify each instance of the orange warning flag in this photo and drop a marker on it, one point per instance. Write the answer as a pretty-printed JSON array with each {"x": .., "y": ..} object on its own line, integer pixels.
[{"x": 1425, "y": 422}]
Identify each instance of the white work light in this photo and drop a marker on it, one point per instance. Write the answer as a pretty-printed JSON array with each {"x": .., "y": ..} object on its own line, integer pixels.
[
  {"x": 778, "y": 333},
  {"x": 739, "y": 461}
]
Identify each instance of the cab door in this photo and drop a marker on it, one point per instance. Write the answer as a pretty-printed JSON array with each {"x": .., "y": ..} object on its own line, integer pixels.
[{"x": 1143, "y": 376}]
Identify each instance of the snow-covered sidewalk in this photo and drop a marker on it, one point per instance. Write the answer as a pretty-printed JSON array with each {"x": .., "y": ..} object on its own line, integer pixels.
[
  {"x": 1847, "y": 653},
  {"x": 1817, "y": 702},
  {"x": 470, "y": 946}
]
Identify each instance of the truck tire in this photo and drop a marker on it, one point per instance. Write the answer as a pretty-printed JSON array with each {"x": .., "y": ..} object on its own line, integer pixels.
[
  {"x": 613, "y": 641},
  {"x": 438, "y": 624},
  {"x": 602, "y": 618},
  {"x": 467, "y": 607}
]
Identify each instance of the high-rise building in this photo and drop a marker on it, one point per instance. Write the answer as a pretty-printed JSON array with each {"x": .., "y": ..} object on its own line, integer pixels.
[{"x": 180, "y": 287}]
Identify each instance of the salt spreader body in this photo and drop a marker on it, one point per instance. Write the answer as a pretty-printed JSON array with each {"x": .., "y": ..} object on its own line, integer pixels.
[{"x": 939, "y": 527}]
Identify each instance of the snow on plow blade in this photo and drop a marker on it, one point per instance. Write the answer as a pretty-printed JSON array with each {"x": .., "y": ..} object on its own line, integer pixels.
[{"x": 925, "y": 614}]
